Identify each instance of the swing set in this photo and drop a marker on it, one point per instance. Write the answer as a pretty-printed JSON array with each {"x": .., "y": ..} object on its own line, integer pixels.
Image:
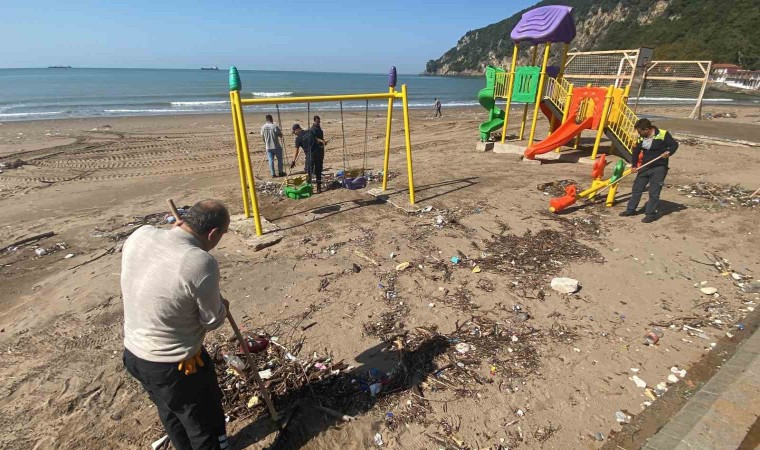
[{"x": 352, "y": 178}]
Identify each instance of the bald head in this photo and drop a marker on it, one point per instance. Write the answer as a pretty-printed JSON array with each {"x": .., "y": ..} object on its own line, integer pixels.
[{"x": 206, "y": 215}]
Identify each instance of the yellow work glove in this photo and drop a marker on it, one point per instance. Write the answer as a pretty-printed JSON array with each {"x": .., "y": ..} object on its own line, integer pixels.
[{"x": 191, "y": 364}]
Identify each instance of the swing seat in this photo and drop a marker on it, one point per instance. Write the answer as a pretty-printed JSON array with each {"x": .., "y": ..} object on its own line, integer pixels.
[
  {"x": 302, "y": 190},
  {"x": 355, "y": 183},
  {"x": 295, "y": 181},
  {"x": 354, "y": 179}
]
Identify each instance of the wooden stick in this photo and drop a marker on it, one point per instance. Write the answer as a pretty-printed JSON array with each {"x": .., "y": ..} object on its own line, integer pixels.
[
  {"x": 29, "y": 239},
  {"x": 334, "y": 413},
  {"x": 254, "y": 372},
  {"x": 754, "y": 193},
  {"x": 173, "y": 208},
  {"x": 638, "y": 169},
  {"x": 243, "y": 343}
]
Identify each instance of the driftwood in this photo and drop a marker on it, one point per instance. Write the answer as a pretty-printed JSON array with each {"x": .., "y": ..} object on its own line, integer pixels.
[{"x": 29, "y": 239}]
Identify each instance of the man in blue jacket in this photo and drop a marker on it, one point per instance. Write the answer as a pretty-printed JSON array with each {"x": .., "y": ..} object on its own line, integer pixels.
[{"x": 653, "y": 143}]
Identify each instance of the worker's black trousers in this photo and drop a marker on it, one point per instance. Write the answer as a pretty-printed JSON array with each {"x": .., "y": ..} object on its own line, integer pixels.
[
  {"x": 655, "y": 178},
  {"x": 190, "y": 406},
  {"x": 314, "y": 162}
]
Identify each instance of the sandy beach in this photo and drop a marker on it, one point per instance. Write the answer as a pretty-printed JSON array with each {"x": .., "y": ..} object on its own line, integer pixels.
[{"x": 540, "y": 369}]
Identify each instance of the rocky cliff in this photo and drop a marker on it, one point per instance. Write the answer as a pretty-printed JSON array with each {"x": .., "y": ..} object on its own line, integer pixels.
[{"x": 719, "y": 30}]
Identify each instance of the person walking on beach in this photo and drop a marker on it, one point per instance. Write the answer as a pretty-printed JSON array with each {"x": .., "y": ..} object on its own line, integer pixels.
[
  {"x": 170, "y": 289},
  {"x": 438, "y": 108},
  {"x": 313, "y": 149},
  {"x": 271, "y": 134},
  {"x": 316, "y": 128},
  {"x": 653, "y": 143}
]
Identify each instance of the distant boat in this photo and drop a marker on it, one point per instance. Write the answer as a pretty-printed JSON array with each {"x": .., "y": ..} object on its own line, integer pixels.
[
  {"x": 59, "y": 67},
  {"x": 210, "y": 68}
]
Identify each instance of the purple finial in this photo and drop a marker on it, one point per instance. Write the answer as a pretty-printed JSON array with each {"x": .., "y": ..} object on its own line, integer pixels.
[{"x": 392, "y": 77}]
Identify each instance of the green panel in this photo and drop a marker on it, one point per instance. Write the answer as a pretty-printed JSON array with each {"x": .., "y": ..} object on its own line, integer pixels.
[{"x": 526, "y": 84}]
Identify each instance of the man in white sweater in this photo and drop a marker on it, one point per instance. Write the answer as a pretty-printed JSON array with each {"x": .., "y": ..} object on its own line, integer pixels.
[{"x": 170, "y": 288}]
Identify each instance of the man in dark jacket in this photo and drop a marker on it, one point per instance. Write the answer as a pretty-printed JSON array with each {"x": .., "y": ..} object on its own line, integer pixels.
[
  {"x": 313, "y": 149},
  {"x": 653, "y": 143}
]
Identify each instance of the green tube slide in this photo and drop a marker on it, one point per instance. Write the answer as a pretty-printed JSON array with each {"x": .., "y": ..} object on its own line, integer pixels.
[{"x": 485, "y": 98}]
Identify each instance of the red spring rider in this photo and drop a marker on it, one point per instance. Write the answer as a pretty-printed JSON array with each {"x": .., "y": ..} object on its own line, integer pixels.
[{"x": 560, "y": 203}]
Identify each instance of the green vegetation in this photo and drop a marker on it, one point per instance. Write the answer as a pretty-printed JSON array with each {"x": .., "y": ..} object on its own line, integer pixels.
[{"x": 724, "y": 31}]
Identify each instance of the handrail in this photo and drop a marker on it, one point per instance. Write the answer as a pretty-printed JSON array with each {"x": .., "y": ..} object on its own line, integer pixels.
[
  {"x": 623, "y": 126},
  {"x": 556, "y": 92}
]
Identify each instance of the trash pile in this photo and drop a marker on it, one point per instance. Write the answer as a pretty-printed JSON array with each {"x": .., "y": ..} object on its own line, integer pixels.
[
  {"x": 590, "y": 225},
  {"x": 722, "y": 195},
  {"x": 123, "y": 231},
  {"x": 533, "y": 256},
  {"x": 720, "y": 115},
  {"x": 15, "y": 164},
  {"x": 478, "y": 352},
  {"x": 269, "y": 188},
  {"x": 555, "y": 188}
]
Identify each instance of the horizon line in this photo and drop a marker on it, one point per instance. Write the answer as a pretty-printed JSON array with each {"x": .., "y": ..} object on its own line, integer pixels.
[{"x": 219, "y": 70}]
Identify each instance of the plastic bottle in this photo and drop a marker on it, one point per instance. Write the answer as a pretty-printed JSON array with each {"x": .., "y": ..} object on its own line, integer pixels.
[
  {"x": 653, "y": 336},
  {"x": 234, "y": 361}
]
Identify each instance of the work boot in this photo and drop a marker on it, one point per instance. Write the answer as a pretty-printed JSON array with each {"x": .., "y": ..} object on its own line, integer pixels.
[
  {"x": 648, "y": 219},
  {"x": 627, "y": 213},
  {"x": 319, "y": 188}
]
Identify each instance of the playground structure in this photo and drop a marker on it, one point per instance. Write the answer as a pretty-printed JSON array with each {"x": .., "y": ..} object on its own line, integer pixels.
[
  {"x": 293, "y": 188},
  {"x": 569, "y": 109},
  {"x": 601, "y": 105}
]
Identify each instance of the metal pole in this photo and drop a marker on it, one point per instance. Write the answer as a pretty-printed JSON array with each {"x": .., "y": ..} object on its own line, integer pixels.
[
  {"x": 408, "y": 141},
  {"x": 239, "y": 151},
  {"x": 602, "y": 122},
  {"x": 539, "y": 94},
  {"x": 510, "y": 86},
  {"x": 247, "y": 162},
  {"x": 388, "y": 129},
  {"x": 697, "y": 113}
]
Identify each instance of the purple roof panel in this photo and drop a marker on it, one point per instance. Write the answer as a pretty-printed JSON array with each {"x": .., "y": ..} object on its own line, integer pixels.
[{"x": 545, "y": 24}]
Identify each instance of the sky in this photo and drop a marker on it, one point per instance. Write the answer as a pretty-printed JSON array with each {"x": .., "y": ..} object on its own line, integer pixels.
[{"x": 331, "y": 36}]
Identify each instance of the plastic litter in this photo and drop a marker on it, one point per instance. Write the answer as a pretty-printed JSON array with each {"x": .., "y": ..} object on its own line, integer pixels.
[
  {"x": 653, "y": 336},
  {"x": 639, "y": 382},
  {"x": 378, "y": 439},
  {"x": 455, "y": 259},
  {"x": 40, "y": 251},
  {"x": 622, "y": 417},
  {"x": 403, "y": 266},
  {"x": 462, "y": 347},
  {"x": 234, "y": 361}
]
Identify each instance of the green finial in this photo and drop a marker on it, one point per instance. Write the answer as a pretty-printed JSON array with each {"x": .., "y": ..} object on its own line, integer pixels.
[
  {"x": 235, "y": 84},
  {"x": 617, "y": 173}
]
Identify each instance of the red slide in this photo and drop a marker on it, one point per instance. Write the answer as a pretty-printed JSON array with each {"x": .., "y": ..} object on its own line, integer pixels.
[{"x": 561, "y": 136}]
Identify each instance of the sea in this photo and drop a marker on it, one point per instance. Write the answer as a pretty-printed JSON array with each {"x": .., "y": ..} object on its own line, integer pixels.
[{"x": 53, "y": 93}]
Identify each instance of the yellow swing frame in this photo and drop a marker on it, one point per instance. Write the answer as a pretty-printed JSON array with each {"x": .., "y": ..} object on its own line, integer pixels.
[{"x": 247, "y": 183}]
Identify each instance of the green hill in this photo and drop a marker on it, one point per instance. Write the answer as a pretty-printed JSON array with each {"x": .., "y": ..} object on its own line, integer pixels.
[{"x": 724, "y": 31}]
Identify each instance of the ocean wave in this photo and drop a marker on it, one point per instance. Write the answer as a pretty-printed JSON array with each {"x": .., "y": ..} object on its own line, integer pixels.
[
  {"x": 30, "y": 114},
  {"x": 271, "y": 94},
  {"x": 682, "y": 100},
  {"x": 166, "y": 111},
  {"x": 201, "y": 103}
]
